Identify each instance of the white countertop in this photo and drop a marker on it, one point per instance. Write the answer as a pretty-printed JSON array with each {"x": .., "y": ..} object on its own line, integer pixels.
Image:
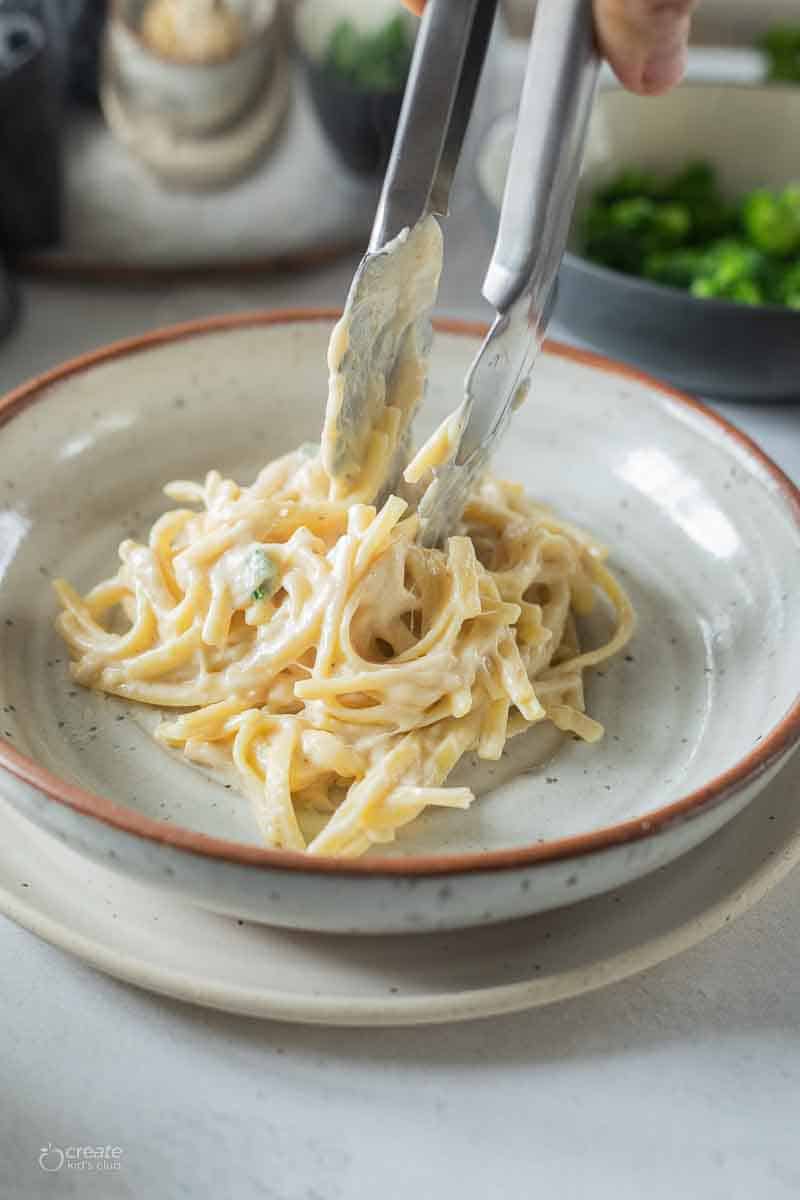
[{"x": 680, "y": 1083}]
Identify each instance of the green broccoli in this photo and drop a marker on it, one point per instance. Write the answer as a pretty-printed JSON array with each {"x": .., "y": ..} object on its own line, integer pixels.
[
  {"x": 782, "y": 48},
  {"x": 731, "y": 270},
  {"x": 772, "y": 220},
  {"x": 630, "y": 184},
  {"x": 681, "y": 231},
  {"x": 677, "y": 268},
  {"x": 743, "y": 291},
  {"x": 696, "y": 188},
  {"x": 624, "y": 232},
  {"x": 371, "y": 62},
  {"x": 787, "y": 285}
]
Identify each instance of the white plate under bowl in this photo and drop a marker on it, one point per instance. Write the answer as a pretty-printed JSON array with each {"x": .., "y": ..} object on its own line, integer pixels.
[
  {"x": 699, "y": 712},
  {"x": 165, "y": 945}
]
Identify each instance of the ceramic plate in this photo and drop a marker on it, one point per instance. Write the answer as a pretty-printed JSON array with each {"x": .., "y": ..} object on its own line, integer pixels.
[
  {"x": 699, "y": 711},
  {"x": 167, "y": 946}
]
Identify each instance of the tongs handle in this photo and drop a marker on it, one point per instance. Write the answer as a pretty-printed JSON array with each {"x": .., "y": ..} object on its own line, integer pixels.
[
  {"x": 560, "y": 81},
  {"x": 443, "y": 78}
]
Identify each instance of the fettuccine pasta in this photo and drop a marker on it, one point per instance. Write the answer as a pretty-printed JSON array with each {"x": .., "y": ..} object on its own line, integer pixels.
[{"x": 339, "y": 667}]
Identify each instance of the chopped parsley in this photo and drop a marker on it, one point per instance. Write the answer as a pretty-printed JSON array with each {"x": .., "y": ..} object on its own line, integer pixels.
[{"x": 263, "y": 574}]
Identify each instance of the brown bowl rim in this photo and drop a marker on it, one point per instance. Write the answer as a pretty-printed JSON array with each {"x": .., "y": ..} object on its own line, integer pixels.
[{"x": 767, "y": 751}]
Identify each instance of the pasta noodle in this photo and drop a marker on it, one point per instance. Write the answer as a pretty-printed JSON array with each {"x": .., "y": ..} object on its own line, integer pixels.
[
  {"x": 306, "y": 640},
  {"x": 356, "y": 686}
]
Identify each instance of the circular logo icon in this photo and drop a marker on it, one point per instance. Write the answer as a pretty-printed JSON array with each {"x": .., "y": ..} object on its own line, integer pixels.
[{"x": 51, "y": 1158}]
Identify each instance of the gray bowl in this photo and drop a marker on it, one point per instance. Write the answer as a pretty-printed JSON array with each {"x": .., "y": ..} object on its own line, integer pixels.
[{"x": 712, "y": 347}]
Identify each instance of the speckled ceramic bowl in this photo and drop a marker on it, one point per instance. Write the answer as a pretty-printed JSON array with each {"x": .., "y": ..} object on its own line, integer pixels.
[{"x": 699, "y": 712}]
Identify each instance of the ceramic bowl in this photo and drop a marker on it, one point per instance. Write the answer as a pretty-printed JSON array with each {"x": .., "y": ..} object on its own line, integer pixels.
[
  {"x": 700, "y": 711},
  {"x": 711, "y": 347},
  {"x": 196, "y": 126},
  {"x": 196, "y": 98},
  {"x": 359, "y": 124}
]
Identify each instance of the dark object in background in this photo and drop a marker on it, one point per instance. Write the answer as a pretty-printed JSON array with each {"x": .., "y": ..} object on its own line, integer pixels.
[
  {"x": 30, "y": 137},
  {"x": 357, "y": 88},
  {"x": 8, "y": 302},
  {"x": 360, "y": 125},
  {"x": 73, "y": 31},
  {"x": 51, "y": 16},
  {"x": 85, "y": 23}
]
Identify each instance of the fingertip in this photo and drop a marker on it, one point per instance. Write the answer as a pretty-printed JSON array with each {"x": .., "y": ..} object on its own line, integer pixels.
[
  {"x": 663, "y": 72},
  {"x": 629, "y": 74},
  {"x": 650, "y": 77}
]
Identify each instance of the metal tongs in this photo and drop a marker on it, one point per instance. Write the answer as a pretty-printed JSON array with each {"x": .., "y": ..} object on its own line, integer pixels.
[{"x": 557, "y": 96}]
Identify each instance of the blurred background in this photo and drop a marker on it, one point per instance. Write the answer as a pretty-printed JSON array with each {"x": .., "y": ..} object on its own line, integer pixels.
[{"x": 166, "y": 159}]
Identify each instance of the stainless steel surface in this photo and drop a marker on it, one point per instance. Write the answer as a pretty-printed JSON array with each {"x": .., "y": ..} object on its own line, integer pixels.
[
  {"x": 440, "y": 93},
  {"x": 443, "y": 81},
  {"x": 560, "y": 83},
  {"x": 500, "y": 372}
]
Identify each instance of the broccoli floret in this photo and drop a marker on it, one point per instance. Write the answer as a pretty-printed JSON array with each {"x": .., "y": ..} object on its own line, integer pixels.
[
  {"x": 622, "y": 234},
  {"x": 731, "y": 258},
  {"x": 743, "y": 291},
  {"x": 371, "y": 62},
  {"x": 694, "y": 183},
  {"x": 772, "y": 220},
  {"x": 782, "y": 48},
  {"x": 678, "y": 268},
  {"x": 731, "y": 270},
  {"x": 695, "y": 187},
  {"x": 786, "y": 289},
  {"x": 607, "y": 242},
  {"x": 671, "y": 225},
  {"x": 630, "y": 184}
]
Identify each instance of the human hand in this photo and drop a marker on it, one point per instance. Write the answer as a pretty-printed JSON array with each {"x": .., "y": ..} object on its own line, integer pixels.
[{"x": 645, "y": 41}]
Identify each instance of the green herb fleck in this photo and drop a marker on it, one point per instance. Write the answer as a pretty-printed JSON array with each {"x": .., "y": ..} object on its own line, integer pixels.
[{"x": 263, "y": 574}]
